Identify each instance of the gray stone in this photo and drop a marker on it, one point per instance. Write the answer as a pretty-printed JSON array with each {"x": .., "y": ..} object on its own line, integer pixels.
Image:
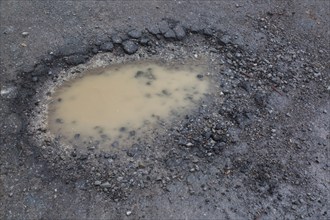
[
  {"x": 107, "y": 46},
  {"x": 25, "y": 34},
  {"x": 170, "y": 34},
  {"x": 135, "y": 34},
  {"x": 144, "y": 40},
  {"x": 225, "y": 39},
  {"x": 163, "y": 27},
  {"x": 154, "y": 30},
  {"x": 116, "y": 39},
  {"x": 218, "y": 137},
  {"x": 130, "y": 47},
  {"x": 95, "y": 50},
  {"x": 97, "y": 183},
  {"x": 83, "y": 157},
  {"x": 179, "y": 32},
  {"x": 105, "y": 185},
  {"x": 106, "y": 155},
  {"x": 101, "y": 39}
]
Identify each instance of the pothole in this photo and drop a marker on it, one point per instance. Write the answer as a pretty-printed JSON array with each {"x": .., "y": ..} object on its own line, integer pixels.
[
  {"x": 108, "y": 108},
  {"x": 181, "y": 87}
]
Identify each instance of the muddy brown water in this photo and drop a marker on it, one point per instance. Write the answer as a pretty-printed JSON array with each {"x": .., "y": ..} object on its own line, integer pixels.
[{"x": 112, "y": 105}]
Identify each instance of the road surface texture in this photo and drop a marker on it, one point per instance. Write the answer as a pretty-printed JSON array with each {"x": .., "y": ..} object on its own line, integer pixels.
[{"x": 257, "y": 147}]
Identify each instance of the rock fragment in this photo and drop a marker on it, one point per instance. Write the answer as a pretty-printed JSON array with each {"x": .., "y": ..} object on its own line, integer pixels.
[
  {"x": 101, "y": 39},
  {"x": 223, "y": 40},
  {"x": 130, "y": 47},
  {"x": 25, "y": 34},
  {"x": 116, "y": 39},
  {"x": 136, "y": 34},
  {"x": 163, "y": 27},
  {"x": 107, "y": 46},
  {"x": 179, "y": 32},
  {"x": 144, "y": 40},
  {"x": 154, "y": 30},
  {"x": 170, "y": 34},
  {"x": 105, "y": 185},
  {"x": 97, "y": 183}
]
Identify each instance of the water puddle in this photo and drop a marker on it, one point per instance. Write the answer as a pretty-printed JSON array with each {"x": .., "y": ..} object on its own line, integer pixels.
[{"x": 112, "y": 105}]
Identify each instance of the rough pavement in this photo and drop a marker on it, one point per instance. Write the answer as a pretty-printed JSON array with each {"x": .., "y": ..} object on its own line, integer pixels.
[{"x": 260, "y": 149}]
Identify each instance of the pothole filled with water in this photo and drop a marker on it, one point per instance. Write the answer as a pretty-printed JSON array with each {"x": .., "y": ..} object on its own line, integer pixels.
[{"x": 115, "y": 106}]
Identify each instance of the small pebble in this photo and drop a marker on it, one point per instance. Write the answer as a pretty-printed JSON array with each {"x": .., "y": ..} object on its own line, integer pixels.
[
  {"x": 25, "y": 34},
  {"x": 106, "y": 185},
  {"x": 97, "y": 183}
]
